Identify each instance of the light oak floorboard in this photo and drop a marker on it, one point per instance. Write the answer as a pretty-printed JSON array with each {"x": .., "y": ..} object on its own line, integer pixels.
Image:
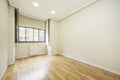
[{"x": 55, "y": 68}]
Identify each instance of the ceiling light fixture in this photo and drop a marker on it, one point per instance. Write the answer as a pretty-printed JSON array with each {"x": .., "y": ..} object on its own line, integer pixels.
[
  {"x": 35, "y": 4},
  {"x": 53, "y": 12}
]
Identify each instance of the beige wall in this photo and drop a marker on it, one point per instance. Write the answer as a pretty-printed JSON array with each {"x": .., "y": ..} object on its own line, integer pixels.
[
  {"x": 24, "y": 49},
  {"x": 93, "y": 35},
  {"x": 11, "y": 36},
  {"x": 54, "y": 37},
  {"x": 3, "y": 36},
  {"x": 52, "y": 34}
]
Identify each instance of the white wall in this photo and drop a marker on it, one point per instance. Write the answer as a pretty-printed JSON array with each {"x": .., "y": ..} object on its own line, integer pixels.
[
  {"x": 11, "y": 36},
  {"x": 54, "y": 37},
  {"x": 48, "y": 37},
  {"x": 3, "y": 36},
  {"x": 24, "y": 49},
  {"x": 93, "y": 35}
]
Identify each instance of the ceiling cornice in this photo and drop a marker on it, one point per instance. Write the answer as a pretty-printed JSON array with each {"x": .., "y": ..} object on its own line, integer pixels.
[
  {"x": 30, "y": 16},
  {"x": 10, "y": 3},
  {"x": 59, "y": 19},
  {"x": 76, "y": 10}
]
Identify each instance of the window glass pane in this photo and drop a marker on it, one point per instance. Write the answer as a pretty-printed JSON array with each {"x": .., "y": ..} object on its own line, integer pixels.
[
  {"x": 29, "y": 34},
  {"x": 35, "y": 34},
  {"x": 21, "y": 34},
  {"x": 41, "y": 35}
]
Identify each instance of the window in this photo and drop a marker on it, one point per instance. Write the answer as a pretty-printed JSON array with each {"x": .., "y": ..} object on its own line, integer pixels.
[
  {"x": 36, "y": 35},
  {"x": 21, "y": 34},
  {"x": 31, "y": 35},
  {"x": 41, "y": 35}
]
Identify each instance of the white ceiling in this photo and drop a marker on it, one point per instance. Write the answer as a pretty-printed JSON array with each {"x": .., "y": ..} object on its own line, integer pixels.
[{"x": 63, "y": 8}]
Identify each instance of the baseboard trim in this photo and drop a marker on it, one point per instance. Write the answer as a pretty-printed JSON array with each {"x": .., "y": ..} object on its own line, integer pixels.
[
  {"x": 3, "y": 72},
  {"x": 20, "y": 57},
  {"x": 11, "y": 63},
  {"x": 98, "y": 66}
]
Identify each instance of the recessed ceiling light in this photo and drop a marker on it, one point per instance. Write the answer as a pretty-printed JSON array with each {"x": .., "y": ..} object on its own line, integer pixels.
[
  {"x": 35, "y": 4},
  {"x": 53, "y": 12}
]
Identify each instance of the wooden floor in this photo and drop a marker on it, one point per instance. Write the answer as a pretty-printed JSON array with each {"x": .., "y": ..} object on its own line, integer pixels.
[{"x": 55, "y": 68}]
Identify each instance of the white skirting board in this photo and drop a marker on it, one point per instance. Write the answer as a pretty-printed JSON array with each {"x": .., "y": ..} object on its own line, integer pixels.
[
  {"x": 22, "y": 57},
  {"x": 3, "y": 72},
  {"x": 98, "y": 66}
]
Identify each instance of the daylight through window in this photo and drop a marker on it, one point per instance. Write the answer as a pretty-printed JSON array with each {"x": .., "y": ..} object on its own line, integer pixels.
[{"x": 31, "y": 35}]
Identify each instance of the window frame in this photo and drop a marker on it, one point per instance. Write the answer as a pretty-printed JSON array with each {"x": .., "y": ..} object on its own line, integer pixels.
[{"x": 33, "y": 35}]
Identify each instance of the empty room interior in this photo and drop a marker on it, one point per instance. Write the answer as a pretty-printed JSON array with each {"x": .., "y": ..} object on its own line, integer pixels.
[{"x": 59, "y": 39}]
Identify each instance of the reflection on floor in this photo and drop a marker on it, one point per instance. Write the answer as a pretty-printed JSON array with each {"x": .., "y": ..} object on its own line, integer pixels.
[{"x": 55, "y": 68}]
